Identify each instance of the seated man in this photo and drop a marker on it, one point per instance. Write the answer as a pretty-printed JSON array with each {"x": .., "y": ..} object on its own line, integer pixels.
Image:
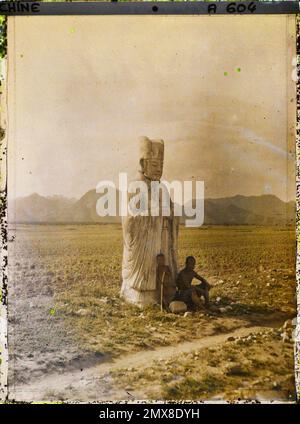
[
  {"x": 188, "y": 293},
  {"x": 164, "y": 282}
]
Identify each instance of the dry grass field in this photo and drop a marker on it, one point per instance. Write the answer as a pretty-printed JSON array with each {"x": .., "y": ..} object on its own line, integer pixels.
[{"x": 65, "y": 313}]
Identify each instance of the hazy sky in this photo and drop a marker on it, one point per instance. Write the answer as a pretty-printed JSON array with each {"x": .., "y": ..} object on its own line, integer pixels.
[{"x": 83, "y": 89}]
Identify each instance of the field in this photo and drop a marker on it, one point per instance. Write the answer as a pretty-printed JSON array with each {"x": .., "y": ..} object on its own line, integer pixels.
[{"x": 66, "y": 317}]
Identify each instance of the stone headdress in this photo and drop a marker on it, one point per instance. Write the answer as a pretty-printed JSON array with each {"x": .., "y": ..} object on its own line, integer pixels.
[{"x": 151, "y": 149}]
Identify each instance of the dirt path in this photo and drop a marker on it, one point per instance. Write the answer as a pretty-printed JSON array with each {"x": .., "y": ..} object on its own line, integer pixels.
[{"x": 95, "y": 383}]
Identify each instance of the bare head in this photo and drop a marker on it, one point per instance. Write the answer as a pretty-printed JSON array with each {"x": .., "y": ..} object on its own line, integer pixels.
[
  {"x": 151, "y": 158},
  {"x": 190, "y": 262},
  {"x": 160, "y": 259}
]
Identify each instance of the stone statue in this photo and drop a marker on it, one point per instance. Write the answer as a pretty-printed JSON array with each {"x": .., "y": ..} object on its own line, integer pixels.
[{"x": 145, "y": 235}]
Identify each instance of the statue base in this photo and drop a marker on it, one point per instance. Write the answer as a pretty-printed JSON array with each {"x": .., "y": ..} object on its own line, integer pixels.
[{"x": 139, "y": 298}]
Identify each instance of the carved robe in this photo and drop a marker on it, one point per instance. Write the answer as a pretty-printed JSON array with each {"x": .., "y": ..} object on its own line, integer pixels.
[{"x": 144, "y": 237}]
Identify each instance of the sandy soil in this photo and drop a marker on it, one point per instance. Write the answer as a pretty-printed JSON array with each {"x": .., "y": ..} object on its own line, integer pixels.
[
  {"x": 39, "y": 343},
  {"x": 47, "y": 364},
  {"x": 47, "y": 358},
  {"x": 95, "y": 382}
]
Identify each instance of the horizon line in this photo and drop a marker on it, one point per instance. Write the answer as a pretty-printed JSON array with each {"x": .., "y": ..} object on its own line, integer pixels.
[{"x": 75, "y": 199}]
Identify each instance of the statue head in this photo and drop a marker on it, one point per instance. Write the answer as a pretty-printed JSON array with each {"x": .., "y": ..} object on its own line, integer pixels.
[{"x": 151, "y": 158}]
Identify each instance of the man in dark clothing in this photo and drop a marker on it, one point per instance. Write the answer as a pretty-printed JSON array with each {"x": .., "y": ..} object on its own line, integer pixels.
[{"x": 188, "y": 293}]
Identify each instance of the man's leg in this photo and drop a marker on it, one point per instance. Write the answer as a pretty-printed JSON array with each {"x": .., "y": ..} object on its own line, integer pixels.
[
  {"x": 201, "y": 291},
  {"x": 187, "y": 298}
]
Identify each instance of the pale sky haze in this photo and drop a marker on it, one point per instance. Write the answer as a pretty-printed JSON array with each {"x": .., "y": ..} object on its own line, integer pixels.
[{"x": 218, "y": 90}]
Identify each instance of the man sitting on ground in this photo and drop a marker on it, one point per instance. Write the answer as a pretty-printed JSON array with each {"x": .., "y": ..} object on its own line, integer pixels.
[{"x": 188, "y": 293}]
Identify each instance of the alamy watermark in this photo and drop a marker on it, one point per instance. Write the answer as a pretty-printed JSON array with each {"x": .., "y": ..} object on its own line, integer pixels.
[{"x": 139, "y": 198}]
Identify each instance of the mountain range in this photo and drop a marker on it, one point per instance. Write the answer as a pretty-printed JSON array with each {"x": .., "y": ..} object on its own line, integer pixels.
[{"x": 236, "y": 210}]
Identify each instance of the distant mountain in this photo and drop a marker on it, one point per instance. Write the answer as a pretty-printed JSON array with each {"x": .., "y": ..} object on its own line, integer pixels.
[
  {"x": 236, "y": 210},
  {"x": 38, "y": 209},
  {"x": 249, "y": 210},
  {"x": 84, "y": 210}
]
